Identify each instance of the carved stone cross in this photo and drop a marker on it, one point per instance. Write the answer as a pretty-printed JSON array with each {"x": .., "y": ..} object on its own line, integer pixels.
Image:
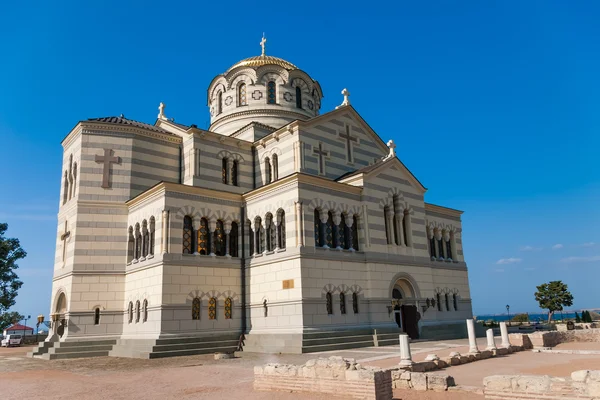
[
  {"x": 107, "y": 159},
  {"x": 64, "y": 237},
  {"x": 263, "y": 42},
  {"x": 322, "y": 154},
  {"x": 346, "y": 94},
  {"x": 349, "y": 139},
  {"x": 392, "y": 146}
]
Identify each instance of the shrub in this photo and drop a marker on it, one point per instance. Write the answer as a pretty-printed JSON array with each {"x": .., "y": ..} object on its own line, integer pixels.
[{"x": 521, "y": 318}]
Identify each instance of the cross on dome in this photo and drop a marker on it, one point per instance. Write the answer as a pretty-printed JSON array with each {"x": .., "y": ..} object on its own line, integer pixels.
[{"x": 263, "y": 42}]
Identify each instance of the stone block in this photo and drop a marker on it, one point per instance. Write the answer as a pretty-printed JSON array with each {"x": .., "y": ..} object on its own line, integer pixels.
[
  {"x": 431, "y": 357},
  {"x": 532, "y": 384},
  {"x": 441, "y": 364},
  {"x": 464, "y": 359},
  {"x": 593, "y": 389},
  {"x": 418, "y": 381},
  {"x": 485, "y": 354},
  {"x": 498, "y": 382},
  {"x": 580, "y": 376},
  {"x": 437, "y": 382},
  {"x": 500, "y": 351}
]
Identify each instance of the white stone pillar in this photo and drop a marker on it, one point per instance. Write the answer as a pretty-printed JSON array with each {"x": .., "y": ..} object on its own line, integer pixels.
[
  {"x": 324, "y": 216},
  {"x": 337, "y": 219},
  {"x": 212, "y": 226},
  {"x": 299, "y": 231},
  {"x": 227, "y": 239},
  {"x": 398, "y": 222},
  {"x": 196, "y": 225},
  {"x": 504, "y": 332},
  {"x": 349, "y": 224},
  {"x": 405, "y": 357},
  {"x": 165, "y": 232},
  {"x": 491, "y": 344},
  {"x": 229, "y": 169},
  {"x": 472, "y": 339}
]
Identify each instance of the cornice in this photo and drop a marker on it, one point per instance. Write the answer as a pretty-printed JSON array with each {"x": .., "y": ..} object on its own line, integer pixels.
[
  {"x": 99, "y": 128},
  {"x": 289, "y": 181},
  {"x": 162, "y": 187},
  {"x": 71, "y": 136},
  {"x": 443, "y": 210},
  {"x": 259, "y": 112}
]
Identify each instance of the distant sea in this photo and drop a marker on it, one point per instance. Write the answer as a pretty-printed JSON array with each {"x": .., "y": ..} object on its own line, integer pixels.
[{"x": 532, "y": 317}]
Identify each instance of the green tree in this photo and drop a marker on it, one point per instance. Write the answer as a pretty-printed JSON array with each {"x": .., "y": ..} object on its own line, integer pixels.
[
  {"x": 588, "y": 317},
  {"x": 553, "y": 296},
  {"x": 577, "y": 318},
  {"x": 9, "y": 318},
  {"x": 521, "y": 318},
  {"x": 10, "y": 253}
]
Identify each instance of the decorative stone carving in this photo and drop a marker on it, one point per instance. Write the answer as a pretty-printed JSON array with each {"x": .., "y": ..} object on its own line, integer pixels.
[{"x": 107, "y": 159}]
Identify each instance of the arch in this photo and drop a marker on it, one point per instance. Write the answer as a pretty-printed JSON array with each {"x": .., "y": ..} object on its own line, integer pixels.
[
  {"x": 298, "y": 97},
  {"x": 342, "y": 303},
  {"x": 233, "y": 239},
  {"x": 234, "y": 172},
  {"x": 130, "y": 245},
  {"x": 60, "y": 304},
  {"x": 228, "y": 307},
  {"x": 241, "y": 74},
  {"x": 224, "y": 170},
  {"x": 355, "y": 232},
  {"x": 329, "y": 303},
  {"x": 219, "y": 238},
  {"x": 271, "y": 92},
  {"x": 196, "y": 308},
  {"x": 355, "y": 302},
  {"x": 242, "y": 101},
  {"x": 203, "y": 237},
  {"x": 406, "y": 284},
  {"x": 227, "y": 154},
  {"x": 318, "y": 225},
  {"x": 145, "y": 310},
  {"x": 97, "y": 316},
  {"x": 137, "y": 311},
  {"x": 188, "y": 235},
  {"x": 268, "y": 171}
]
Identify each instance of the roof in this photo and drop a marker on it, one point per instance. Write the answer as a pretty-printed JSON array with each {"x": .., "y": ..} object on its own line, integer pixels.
[
  {"x": 121, "y": 120},
  {"x": 259, "y": 61},
  {"x": 19, "y": 327},
  {"x": 251, "y": 124},
  {"x": 362, "y": 170}
]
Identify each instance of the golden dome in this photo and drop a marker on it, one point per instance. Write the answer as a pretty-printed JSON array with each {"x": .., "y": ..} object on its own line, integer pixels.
[{"x": 259, "y": 61}]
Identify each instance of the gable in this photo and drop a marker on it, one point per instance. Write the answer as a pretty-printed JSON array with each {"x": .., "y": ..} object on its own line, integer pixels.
[
  {"x": 349, "y": 142},
  {"x": 388, "y": 173}
]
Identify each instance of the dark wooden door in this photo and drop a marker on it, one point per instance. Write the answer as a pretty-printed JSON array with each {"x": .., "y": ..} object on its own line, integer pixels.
[{"x": 409, "y": 321}]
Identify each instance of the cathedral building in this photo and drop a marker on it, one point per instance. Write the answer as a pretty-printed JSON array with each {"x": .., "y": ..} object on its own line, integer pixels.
[{"x": 280, "y": 228}]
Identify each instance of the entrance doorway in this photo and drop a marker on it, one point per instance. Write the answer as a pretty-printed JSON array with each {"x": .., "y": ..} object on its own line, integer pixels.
[{"x": 406, "y": 315}]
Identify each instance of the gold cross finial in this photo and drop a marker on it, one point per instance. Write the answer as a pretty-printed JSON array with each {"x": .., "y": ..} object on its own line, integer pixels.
[{"x": 262, "y": 43}]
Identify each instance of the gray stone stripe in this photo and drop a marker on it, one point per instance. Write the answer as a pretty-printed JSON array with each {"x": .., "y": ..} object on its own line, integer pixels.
[
  {"x": 417, "y": 221},
  {"x": 391, "y": 178},
  {"x": 103, "y": 197},
  {"x": 136, "y": 161},
  {"x": 112, "y": 146},
  {"x": 337, "y": 122},
  {"x": 157, "y": 178},
  {"x": 109, "y": 239},
  {"x": 370, "y": 154},
  {"x": 375, "y": 212},
  {"x": 325, "y": 129},
  {"x": 379, "y": 241},
  {"x": 100, "y": 252},
  {"x": 176, "y": 224},
  {"x": 101, "y": 224},
  {"x": 420, "y": 246},
  {"x": 419, "y": 234},
  {"x": 316, "y": 189},
  {"x": 131, "y": 136},
  {"x": 458, "y": 241},
  {"x": 105, "y": 211},
  {"x": 413, "y": 196},
  {"x": 311, "y": 171},
  {"x": 438, "y": 215},
  {"x": 377, "y": 228},
  {"x": 209, "y": 200},
  {"x": 138, "y": 149},
  {"x": 336, "y": 143},
  {"x": 242, "y": 184}
]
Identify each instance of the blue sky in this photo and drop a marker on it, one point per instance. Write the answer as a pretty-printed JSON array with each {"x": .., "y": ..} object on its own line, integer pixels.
[{"x": 494, "y": 106}]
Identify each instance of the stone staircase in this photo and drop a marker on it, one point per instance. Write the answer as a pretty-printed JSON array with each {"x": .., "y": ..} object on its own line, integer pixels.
[
  {"x": 173, "y": 347},
  {"x": 75, "y": 349},
  {"x": 339, "y": 340}
]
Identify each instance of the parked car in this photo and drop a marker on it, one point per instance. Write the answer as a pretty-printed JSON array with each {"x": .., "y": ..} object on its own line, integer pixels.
[{"x": 11, "y": 340}]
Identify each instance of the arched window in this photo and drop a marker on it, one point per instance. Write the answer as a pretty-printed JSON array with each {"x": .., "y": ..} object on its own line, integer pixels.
[
  {"x": 66, "y": 188},
  {"x": 270, "y": 232},
  {"x": 212, "y": 308},
  {"x": 448, "y": 249},
  {"x": 130, "y": 312},
  {"x": 455, "y": 301},
  {"x": 355, "y": 233},
  {"x": 219, "y": 103},
  {"x": 258, "y": 232},
  {"x": 251, "y": 239},
  {"x": 203, "y": 237},
  {"x": 137, "y": 311},
  {"x": 342, "y": 302},
  {"x": 329, "y": 303},
  {"x": 145, "y": 310},
  {"x": 275, "y": 168},
  {"x": 406, "y": 228},
  {"x": 196, "y": 308},
  {"x": 271, "y": 93},
  {"x": 224, "y": 170},
  {"x": 234, "y": 173},
  {"x": 242, "y": 95},
  {"x": 97, "y": 316},
  {"x": 439, "y": 301},
  {"x": 267, "y": 170},
  {"x": 228, "y": 307},
  {"x": 386, "y": 212},
  {"x": 447, "y": 302},
  {"x": 329, "y": 230},
  {"x": 233, "y": 240},
  {"x": 188, "y": 235},
  {"x": 146, "y": 238},
  {"x": 74, "y": 183},
  {"x": 152, "y": 235},
  {"x": 432, "y": 243},
  {"x": 138, "y": 242},
  {"x": 298, "y": 97},
  {"x": 281, "y": 231},
  {"x": 343, "y": 233},
  {"x": 440, "y": 244},
  {"x": 130, "y": 245},
  {"x": 219, "y": 237},
  {"x": 318, "y": 229},
  {"x": 355, "y": 302}
]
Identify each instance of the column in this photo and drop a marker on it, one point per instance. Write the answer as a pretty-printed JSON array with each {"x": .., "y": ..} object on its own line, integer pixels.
[
  {"x": 256, "y": 238},
  {"x": 268, "y": 236},
  {"x": 405, "y": 357},
  {"x": 349, "y": 223},
  {"x": 504, "y": 333},
  {"x": 277, "y": 235},
  {"x": 299, "y": 231},
  {"x": 212, "y": 225},
  {"x": 229, "y": 168},
  {"x": 165, "y": 232},
  {"x": 491, "y": 344},
  {"x": 390, "y": 229},
  {"x": 472, "y": 340},
  {"x": 227, "y": 227},
  {"x": 398, "y": 222},
  {"x": 323, "y": 216},
  {"x": 196, "y": 225},
  {"x": 453, "y": 246}
]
